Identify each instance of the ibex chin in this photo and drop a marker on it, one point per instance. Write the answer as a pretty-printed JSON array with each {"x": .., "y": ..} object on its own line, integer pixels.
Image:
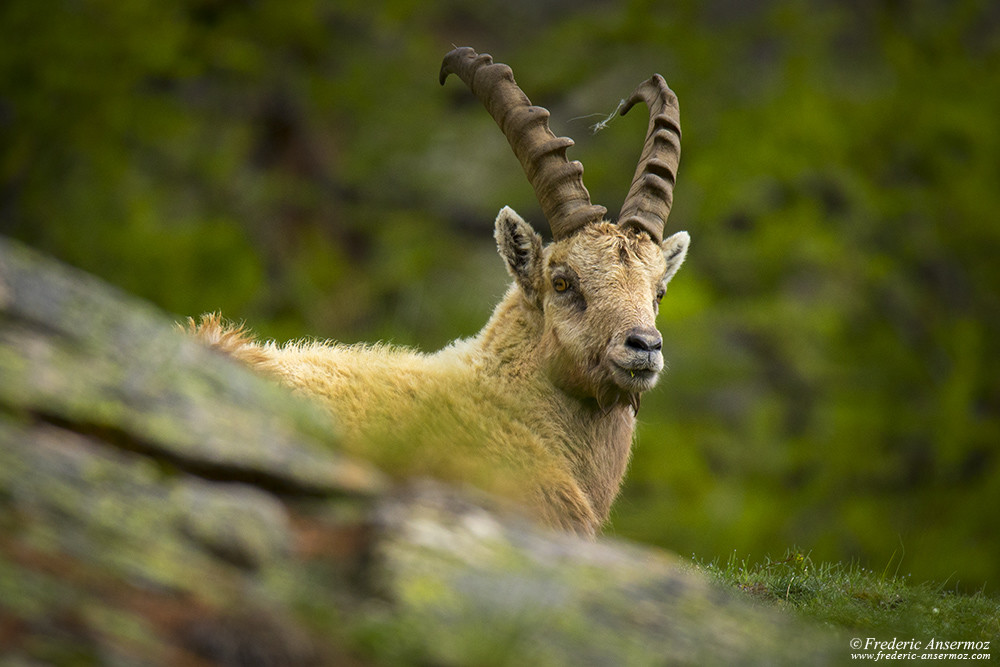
[{"x": 541, "y": 403}]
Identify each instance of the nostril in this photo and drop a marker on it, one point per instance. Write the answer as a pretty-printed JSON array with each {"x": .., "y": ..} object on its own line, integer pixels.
[{"x": 647, "y": 341}]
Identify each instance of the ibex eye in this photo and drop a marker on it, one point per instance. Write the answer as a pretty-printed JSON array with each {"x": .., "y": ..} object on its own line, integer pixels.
[
  {"x": 659, "y": 294},
  {"x": 560, "y": 284}
]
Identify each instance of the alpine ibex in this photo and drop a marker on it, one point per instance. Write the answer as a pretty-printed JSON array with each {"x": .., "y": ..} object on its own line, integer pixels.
[{"x": 544, "y": 398}]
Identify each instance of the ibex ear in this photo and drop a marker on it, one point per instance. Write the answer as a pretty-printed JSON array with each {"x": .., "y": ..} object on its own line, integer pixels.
[
  {"x": 675, "y": 250},
  {"x": 521, "y": 249}
]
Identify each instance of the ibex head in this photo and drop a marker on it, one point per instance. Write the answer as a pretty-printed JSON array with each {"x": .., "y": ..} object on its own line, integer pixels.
[{"x": 595, "y": 290}]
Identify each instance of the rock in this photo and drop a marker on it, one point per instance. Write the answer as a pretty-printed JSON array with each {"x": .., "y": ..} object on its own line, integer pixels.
[
  {"x": 78, "y": 353},
  {"x": 486, "y": 590},
  {"x": 160, "y": 504}
]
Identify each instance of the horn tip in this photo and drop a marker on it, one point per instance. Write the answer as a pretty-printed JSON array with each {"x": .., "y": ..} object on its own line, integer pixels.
[
  {"x": 453, "y": 58},
  {"x": 656, "y": 85}
]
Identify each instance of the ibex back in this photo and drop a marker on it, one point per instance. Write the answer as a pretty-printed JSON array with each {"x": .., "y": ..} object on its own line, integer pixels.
[{"x": 541, "y": 404}]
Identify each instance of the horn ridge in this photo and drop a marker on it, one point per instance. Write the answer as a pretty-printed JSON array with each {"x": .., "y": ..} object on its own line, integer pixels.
[
  {"x": 557, "y": 182},
  {"x": 556, "y": 146},
  {"x": 651, "y": 194}
]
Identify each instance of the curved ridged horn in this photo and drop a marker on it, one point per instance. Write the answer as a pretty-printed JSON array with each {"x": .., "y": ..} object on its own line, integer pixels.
[
  {"x": 652, "y": 193},
  {"x": 558, "y": 183}
]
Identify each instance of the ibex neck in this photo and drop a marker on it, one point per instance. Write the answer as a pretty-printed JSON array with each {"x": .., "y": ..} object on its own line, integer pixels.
[{"x": 595, "y": 440}]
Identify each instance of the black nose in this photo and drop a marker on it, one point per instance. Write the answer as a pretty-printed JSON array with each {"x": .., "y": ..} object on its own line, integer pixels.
[{"x": 646, "y": 340}]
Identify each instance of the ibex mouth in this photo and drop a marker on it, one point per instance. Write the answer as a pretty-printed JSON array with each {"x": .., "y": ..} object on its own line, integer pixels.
[{"x": 639, "y": 372}]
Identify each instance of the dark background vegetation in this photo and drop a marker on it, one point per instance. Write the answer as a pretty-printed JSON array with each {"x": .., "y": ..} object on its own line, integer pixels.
[{"x": 834, "y": 377}]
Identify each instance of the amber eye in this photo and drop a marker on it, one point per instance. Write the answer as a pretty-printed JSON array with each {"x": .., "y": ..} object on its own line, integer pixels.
[
  {"x": 659, "y": 294},
  {"x": 560, "y": 284}
]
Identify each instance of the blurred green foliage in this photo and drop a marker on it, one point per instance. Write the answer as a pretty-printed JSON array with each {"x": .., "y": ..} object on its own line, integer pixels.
[{"x": 832, "y": 341}]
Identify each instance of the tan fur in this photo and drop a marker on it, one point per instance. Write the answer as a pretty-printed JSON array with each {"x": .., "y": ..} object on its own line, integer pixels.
[{"x": 533, "y": 407}]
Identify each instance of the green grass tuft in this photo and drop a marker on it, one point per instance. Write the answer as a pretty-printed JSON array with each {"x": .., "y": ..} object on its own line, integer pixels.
[{"x": 851, "y": 597}]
